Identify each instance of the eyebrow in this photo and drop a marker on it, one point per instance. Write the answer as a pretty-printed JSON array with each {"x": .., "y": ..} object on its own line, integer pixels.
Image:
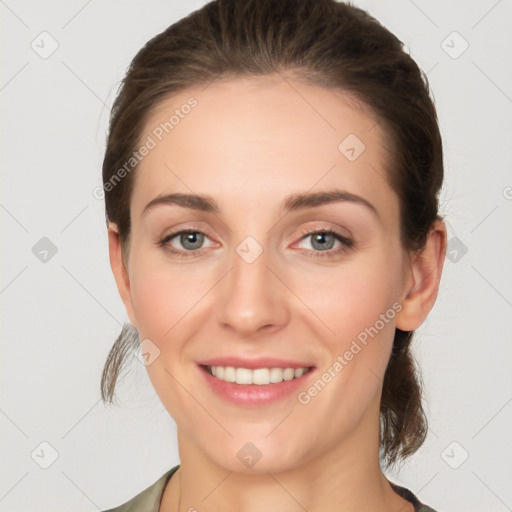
[{"x": 292, "y": 203}]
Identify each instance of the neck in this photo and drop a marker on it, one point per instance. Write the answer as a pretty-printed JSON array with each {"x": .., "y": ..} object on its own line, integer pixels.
[{"x": 345, "y": 478}]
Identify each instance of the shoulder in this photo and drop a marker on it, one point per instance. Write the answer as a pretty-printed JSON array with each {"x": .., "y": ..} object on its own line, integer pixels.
[
  {"x": 149, "y": 499},
  {"x": 410, "y": 496}
]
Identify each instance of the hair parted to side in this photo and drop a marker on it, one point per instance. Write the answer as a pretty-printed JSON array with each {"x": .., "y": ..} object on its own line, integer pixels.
[{"x": 322, "y": 42}]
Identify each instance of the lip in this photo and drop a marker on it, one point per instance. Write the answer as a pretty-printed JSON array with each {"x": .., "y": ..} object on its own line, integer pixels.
[
  {"x": 253, "y": 394},
  {"x": 252, "y": 364}
]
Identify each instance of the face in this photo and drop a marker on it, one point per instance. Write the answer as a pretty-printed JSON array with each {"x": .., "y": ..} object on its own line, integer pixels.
[{"x": 266, "y": 278}]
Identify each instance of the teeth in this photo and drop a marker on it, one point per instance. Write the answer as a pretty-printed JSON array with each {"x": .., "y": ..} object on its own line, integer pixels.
[{"x": 260, "y": 376}]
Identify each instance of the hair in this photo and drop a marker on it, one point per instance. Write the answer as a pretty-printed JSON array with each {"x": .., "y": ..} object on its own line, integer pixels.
[{"x": 323, "y": 42}]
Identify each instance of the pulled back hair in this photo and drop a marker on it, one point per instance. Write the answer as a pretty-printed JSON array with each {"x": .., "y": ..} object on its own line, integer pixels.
[{"x": 323, "y": 42}]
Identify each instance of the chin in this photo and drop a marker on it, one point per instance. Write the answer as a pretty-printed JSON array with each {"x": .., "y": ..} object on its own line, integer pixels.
[{"x": 258, "y": 456}]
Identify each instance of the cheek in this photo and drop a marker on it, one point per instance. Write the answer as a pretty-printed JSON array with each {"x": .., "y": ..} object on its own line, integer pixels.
[
  {"x": 171, "y": 306},
  {"x": 352, "y": 297},
  {"x": 160, "y": 297},
  {"x": 164, "y": 300},
  {"x": 153, "y": 305},
  {"x": 357, "y": 306}
]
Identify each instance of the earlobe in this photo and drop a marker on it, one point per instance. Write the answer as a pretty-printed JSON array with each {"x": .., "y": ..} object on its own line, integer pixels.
[
  {"x": 422, "y": 284},
  {"x": 119, "y": 270}
]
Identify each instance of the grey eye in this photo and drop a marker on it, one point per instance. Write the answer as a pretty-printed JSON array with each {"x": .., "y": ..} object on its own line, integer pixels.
[
  {"x": 319, "y": 243},
  {"x": 195, "y": 239}
]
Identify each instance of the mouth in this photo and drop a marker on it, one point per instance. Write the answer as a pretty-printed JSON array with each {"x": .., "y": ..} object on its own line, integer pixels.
[
  {"x": 255, "y": 376},
  {"x": 252, "y": 382}
]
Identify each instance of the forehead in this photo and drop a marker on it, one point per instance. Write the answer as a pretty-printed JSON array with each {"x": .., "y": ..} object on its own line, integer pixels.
[{"x": 254, "y": 140}]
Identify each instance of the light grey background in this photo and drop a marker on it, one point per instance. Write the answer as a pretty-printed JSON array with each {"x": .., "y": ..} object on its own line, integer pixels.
[{"x": 61, "y": 316}]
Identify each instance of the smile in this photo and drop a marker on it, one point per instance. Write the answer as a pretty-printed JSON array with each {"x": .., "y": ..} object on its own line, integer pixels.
[{"x": 258, "y": 376}]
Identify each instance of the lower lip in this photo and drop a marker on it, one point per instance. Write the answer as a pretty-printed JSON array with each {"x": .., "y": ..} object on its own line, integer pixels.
[{"x": 254, "y": 394}]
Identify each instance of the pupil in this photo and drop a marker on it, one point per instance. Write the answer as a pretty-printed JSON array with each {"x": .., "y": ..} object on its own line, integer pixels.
[
  {"x": 189, "y": 238},
  {"x": 322, "y": 236}
]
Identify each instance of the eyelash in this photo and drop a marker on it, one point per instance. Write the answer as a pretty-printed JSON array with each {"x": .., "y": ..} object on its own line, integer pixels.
[{"x": 347, "y": 244}]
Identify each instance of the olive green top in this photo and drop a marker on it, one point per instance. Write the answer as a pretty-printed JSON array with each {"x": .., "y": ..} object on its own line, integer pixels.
[{"x": 149, "y": 499}]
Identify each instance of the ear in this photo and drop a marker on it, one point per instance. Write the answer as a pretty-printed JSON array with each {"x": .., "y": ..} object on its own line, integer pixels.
[
  {"x": 119, "y": 270},
  {"x": 422, "y": 281}
]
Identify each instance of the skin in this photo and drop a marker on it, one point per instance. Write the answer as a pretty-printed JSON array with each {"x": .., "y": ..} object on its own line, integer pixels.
[{"x": 249, "y": 143}]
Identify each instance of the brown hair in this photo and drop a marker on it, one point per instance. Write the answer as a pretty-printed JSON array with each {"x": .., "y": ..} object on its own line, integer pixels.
[{"x": 323, "y": 42}]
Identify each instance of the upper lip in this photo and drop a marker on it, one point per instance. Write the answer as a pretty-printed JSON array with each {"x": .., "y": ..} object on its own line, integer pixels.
[{"x": 259, "y": 362}]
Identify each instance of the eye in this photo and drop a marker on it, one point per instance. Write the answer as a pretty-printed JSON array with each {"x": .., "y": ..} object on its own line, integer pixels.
[
  {"x": 323, "y": 240},
  {"x": 190, "y": 239}
]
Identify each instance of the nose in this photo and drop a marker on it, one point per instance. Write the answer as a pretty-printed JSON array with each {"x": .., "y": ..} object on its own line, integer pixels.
[{"x": 252, "y": 297}]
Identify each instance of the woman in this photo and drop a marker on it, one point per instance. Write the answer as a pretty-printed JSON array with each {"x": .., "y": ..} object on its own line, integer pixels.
[{"x": 271, "y": 181}]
